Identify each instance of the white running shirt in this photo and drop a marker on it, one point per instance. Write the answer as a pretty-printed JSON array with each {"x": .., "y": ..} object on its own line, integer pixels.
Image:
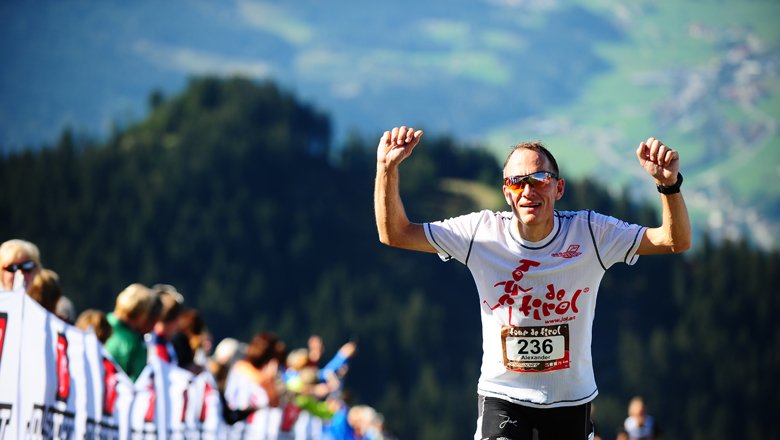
[{"x": 537, "y": 299}]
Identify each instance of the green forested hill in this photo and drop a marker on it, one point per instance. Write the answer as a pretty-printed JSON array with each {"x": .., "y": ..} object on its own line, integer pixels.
[{"x": 233, "y": 192}]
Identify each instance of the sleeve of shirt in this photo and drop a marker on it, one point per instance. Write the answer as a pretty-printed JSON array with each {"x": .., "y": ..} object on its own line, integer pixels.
[
  {"x": 453, "y": 237},
  {"x": 332, "y": 366},
  {"x": 616, "y": 240}
]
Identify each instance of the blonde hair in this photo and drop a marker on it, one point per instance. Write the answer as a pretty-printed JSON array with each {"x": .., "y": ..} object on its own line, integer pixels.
[
  {"x": 298, "y": 358},
  {"x": 11, "y": 248},
  {"x": 137, "y": 301},
  {"x": 45, "y": 289}
]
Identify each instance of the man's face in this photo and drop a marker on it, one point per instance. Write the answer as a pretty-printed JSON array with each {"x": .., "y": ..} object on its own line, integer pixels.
[
  {"x": 534, "y": 203},
  {"x": 23, "y": 263}
]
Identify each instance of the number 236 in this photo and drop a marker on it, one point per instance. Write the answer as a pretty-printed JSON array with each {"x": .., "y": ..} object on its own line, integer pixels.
[{"x": 535, "y": 346}]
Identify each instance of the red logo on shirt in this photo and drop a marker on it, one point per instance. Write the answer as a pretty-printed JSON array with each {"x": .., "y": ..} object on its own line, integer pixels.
[
  {"x": 570, "y": 253},
  {"x": 554, "y": 303}
]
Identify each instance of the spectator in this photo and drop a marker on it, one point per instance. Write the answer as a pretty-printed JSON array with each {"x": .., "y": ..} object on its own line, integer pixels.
[
  {"x": 300, "y": 378},
  {"x": 19, "y": 257},
  {"x": 96, "y": 321},
  {"x": 190, "y": 341},
  {"x": 228, "y": 351},
  {"x": 159, "y": 340},
  {"x": 316, "y": 347},
  {"x": 338, "y": 426},
  {"x": 46, "y": 290},
  {"x": 254, "y": 381},
  {"x": 137, "y": 310},
  {"x": 366, "y": 423},
  {"x": 639, "y": 425},
  {"x": 65, "y": 310},
  {"x": 327, "y": 379}
]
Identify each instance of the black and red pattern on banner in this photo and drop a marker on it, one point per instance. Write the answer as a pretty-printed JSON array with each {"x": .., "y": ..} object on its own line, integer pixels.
[{"x": 57, "y": 381}]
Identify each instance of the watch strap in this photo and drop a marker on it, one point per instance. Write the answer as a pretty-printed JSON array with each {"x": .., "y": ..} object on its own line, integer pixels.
[{"x": 671, "y": 189}]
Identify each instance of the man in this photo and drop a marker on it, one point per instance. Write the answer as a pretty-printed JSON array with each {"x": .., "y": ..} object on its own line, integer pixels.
[
  {"x": 19, "y": 258},
  {"x": 136, "y": 311},
  {"x": 537, "y": 272}
]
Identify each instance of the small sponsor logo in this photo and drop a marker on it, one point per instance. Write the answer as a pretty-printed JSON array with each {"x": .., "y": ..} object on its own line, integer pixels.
[{"x": 571, "y": 252}]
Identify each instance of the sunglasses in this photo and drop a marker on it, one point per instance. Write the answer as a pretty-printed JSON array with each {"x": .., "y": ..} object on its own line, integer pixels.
[
  {"x": 27, "y": 266},
  {"x": 536, "y": 180}
]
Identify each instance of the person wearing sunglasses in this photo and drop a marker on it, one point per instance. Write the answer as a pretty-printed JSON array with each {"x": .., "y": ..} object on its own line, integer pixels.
[
  {"x": 537, "y": 272},
  {"x": 19, "y": 258}
]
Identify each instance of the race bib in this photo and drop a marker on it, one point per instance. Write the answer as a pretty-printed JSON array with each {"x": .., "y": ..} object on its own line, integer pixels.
[{"x": 535, "y": 349}]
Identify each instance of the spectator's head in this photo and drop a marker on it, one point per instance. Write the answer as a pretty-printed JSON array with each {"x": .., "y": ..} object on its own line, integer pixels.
[
  {"x": 636, "y": 408},
  {"x": 192, "y": 325},
  {"x": 298, "y": 359},
  {"x": 363, "y": 419},
  {"x": 264, "y": 348},
  {"x": 65, "y": 310},
  {"x": 172, "y": 307},
  {"x": 138, "y": 307},
  {"x": 96, "y": 320},
  {"x": 46, "y": 289},
  {"x": 19, "y": 255},
  {"x": 228, "y": 351}
]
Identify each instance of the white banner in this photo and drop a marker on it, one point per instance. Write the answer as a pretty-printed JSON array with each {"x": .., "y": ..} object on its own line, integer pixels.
[
  {"x": 10, "y": 347},
  {"x": 58, "y": 382}
]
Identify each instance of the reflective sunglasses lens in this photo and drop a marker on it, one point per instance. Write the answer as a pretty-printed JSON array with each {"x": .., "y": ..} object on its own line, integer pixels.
[
  {"x": 517, "y": 186},
  {"x": 536, "y": 179},
  {"x": 518, "y": 183},
  {"x": 514, "y": 183},
  {"x": 27, "y": 266}
]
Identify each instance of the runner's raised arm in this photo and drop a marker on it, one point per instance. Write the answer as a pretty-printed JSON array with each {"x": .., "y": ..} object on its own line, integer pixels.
[{"x": 392, "y": 224}]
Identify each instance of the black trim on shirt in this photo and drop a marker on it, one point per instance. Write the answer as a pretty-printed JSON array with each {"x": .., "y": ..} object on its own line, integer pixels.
[
  {"x": 593, "y": 237},
  {"x": 471, "y": 244},
  {"x": 430, "y": 232},
  {"x": 628, "y": 252},
  {"x": 550, "y": 241}
]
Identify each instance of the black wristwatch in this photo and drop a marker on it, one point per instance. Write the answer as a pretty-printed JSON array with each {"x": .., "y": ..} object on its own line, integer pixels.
[{"x": 672, "y": 189}]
